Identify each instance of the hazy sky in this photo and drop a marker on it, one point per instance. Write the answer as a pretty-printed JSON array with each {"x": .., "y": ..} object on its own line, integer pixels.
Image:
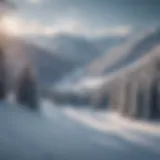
[{"x": 87, "y": 16}]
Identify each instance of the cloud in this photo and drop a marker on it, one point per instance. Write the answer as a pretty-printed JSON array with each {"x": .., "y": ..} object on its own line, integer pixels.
[
  {"x": 34, "y": 1},
  {"x": 19, "y": 27},
  {"x": 114, "y": 31}
]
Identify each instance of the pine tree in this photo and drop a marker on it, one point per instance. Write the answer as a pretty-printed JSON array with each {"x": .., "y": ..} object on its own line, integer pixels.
[
  {"x": 27, "y": 89},
  {"x": 3, "y": 89}
]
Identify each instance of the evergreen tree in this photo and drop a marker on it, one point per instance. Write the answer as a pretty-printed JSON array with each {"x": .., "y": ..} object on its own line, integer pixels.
[
  {"x": 3, "y": 89},
  {"x": 27, "y": 89},
  {"x": 154, "y": 102}
]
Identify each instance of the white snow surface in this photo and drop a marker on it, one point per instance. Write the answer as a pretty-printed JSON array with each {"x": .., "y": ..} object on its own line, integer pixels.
[{"x": 66, "y": 133}]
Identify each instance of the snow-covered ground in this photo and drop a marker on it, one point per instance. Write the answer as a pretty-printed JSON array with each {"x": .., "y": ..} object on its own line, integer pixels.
[
  {"x": 110, "y": 121},
  {"x": 141, "y": 133},
  {"x": 66, "y": 133}
]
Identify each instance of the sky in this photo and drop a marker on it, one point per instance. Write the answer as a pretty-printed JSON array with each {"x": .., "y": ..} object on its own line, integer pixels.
[{"x": 82, "y": 17}]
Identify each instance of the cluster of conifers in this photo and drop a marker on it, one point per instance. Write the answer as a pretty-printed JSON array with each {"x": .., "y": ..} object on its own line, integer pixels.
[{"x": 25, "y": 90}]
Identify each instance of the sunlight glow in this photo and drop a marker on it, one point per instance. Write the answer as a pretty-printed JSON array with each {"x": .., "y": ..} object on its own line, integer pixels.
[
  {"x": 19, "y": 27},
  {"x": 10, "y": 26}
]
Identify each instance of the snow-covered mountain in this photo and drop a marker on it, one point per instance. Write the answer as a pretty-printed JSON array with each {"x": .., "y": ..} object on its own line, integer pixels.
[
  {"x": 123, "y": 55},
  {"x": 48, "y": 66},
  {"x": 119, "y": 59},
  {"x": 55, "y": 59},
  {"x": 77, "y": 48}
]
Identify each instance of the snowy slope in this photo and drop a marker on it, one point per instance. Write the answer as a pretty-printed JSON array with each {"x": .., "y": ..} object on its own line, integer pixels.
[
  {"x": 125, "y": 54},
  {"x": 56, "y": 135}
]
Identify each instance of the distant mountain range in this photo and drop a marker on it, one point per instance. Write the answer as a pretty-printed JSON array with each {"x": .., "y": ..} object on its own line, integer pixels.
[
  {"x": 54, "y": 57},
  {"x": 77, "y": 48},
  {"x": 49, "y": 67}
]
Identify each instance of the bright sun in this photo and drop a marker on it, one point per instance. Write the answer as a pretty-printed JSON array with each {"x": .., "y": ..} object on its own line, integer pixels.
[{"x": 10, "y": 26}]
